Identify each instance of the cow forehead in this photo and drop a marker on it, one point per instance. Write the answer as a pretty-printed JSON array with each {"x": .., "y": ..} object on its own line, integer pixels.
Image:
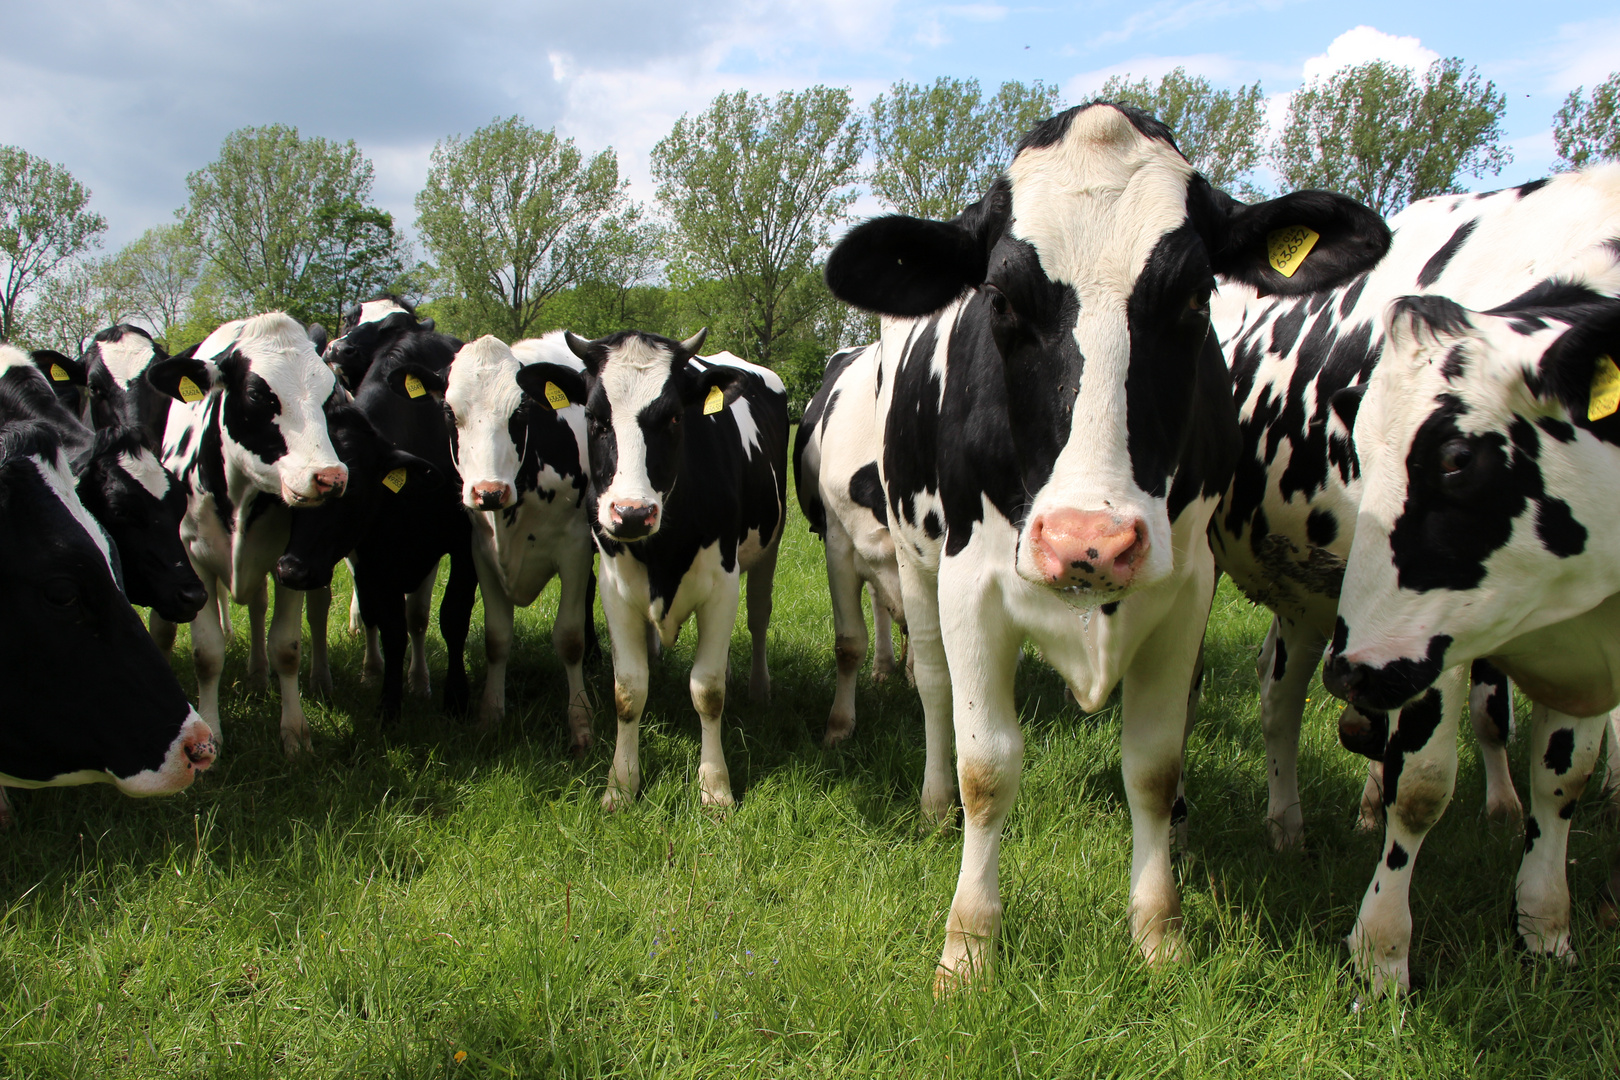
[
  {"x": 13, "y": 357},
  {"x": 126, "y": 358},
  {"x": 144, "y": 467},
  {"x": 482, "y": 382},
  {"x": 279, "y": 352},
  {"x": 634, "y": 375},
  {"x": 60, "y": 482},
  {"x": 1096, "y": 202},
  {"x": 377, "y": 310}
]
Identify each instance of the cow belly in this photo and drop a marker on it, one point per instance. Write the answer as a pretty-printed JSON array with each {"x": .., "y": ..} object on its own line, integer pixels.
[
  {"x": 624, "y": 577},
  {"x": 528, "y": 548}
]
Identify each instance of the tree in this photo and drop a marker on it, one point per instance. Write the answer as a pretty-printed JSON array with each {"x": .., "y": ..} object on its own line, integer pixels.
[
  {"x": 262, "y": 214},
  {"x": 1384, "y": 136},
  {"x": 1222, "y": 132},
  {"x": 157, "y": 273},
  {"x": 73, "y": 304},
  {"x": 938, "y": 148},
  {"x": 358, "y": 256},
  {"x": 45, "y": 220},
  {"x": 1587, "y": 132},
  {"x": 753, "y": 188},
  {"x": 512, "y": 216}
]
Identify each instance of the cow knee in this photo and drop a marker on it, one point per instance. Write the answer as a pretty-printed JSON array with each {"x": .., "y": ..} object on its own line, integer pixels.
[
  {"x": 207, "y": 663},
  {"x": 987, "y": 789},
  {"x": 850, "y": 652},
  {"x": 285, "y": 657},
  {"x": 1422, "y": 794},
  {"x": 1155, "y": 791},
  {"x": 570, "y": 646},
  {"x": 709, "y": 698}
]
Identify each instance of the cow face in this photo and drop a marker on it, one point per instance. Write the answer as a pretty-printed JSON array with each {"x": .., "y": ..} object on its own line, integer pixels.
[
  {"x": 115, "y": 367},
  {"x": 321, "y": 536},
  {"x": 89, "y": 697},
  {"x": 351, "y": 355},
  {"x": 1487, "y": 445},
  {"x": 27, "y": 393},
  {"x": 639, "y": 393},
  {"x": 140, "y": 505},
  {"x": 1090, "y": 265},
  {"x": 274, "y": 393}
]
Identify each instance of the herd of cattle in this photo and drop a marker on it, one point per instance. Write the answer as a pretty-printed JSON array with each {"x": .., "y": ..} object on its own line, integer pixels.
[{"x": 1098, "y": 388}]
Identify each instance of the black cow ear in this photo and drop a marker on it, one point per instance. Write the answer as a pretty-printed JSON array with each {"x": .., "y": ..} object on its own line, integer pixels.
[
  {"x": 1296, "y": 243},
  {"x": 58, "y": 368},
  {"x": 414, "y": 381},
  {"x": 408, "y": 473},
  {"x": 717, "y": 387},
  {"x": 552, "y": 385},
  {"x": 183, "y": 377}
]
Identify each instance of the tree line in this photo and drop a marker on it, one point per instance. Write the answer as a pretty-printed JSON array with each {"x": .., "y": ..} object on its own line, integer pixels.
[{"x": 522, "y": 232}]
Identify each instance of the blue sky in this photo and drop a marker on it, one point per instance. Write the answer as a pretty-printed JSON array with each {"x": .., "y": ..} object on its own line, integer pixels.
[{"x": 133, "y": 97}]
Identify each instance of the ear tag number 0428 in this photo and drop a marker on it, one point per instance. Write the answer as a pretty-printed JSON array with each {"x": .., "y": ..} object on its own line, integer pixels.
[
  {"x": 58, "y": 373},
  {"x": 188, "y": 391},
  {"x": 1287, "y": 248},
  {"x": 714, "y": 402},
  {"x": 555, "y": 396},
  {"x": 1605, "y": 398},
  {"x": 414, "y": 387},
  {"x": 394, "y": 480}
]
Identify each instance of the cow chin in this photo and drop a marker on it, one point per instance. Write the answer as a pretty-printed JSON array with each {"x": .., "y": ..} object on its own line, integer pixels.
[
  {"x": 193, "y": 750},
  {"x": 300, "y": 499}
]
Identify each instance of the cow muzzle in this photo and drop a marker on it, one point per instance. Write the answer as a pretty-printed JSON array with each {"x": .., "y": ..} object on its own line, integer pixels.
[
  {"x": 489, "y": 495},
  {"x": 632, "y": 519},
  {"x": 1087, "y": 550},
  {"x": 295, "y": 572},
  {"x": 327, "y": 483}
]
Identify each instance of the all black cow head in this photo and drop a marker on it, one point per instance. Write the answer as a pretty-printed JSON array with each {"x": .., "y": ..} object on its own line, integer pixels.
[{"x": 1087, "y": 270}]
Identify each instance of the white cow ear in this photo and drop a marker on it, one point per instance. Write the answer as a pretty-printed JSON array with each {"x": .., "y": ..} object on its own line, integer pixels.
[{"x": 1419, "y": 325}]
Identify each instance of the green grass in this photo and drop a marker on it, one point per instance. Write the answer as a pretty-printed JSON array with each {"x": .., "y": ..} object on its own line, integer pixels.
[{"x": 403, "y": 898}]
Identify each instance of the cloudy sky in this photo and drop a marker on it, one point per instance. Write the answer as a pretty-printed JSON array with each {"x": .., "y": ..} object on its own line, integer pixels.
[{"x": 133, "y": 96}]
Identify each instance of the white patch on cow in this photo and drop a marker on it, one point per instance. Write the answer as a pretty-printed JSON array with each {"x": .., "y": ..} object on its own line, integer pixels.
[
  {"x": 146, "y": 470},
  {"x": 60, "y": 480},
  {"x": 633, "y": 377},
  {"x": 280, "y": 352},
  {"x": 11, "y": 356},
  {"x": 1094, "y": 205},
  {"x": 127, "y": 358},
  {"x": 377, "y": 310},
  {"x": 483, "y": 394},
  {"x": 747, "y": 430},
  {"x": 769, "y": 377}
]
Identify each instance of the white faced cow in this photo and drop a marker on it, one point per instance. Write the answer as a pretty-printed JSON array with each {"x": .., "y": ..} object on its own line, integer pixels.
[
  {"x": 688, "y": 466},
  {"x": 248, "y": 437},
  {"x": 1489, "y": 526},
  {"x": 1056, "y": 431},
  {"x": 835, "y": 471}
]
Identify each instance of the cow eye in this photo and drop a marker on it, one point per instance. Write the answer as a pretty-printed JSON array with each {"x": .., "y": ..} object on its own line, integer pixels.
[
  {"x": 61, "y": 592},
  {"x": 998, "y": 301},
  {"x": 675, "y": 421},
  {"x": 1455, "y": 456}
]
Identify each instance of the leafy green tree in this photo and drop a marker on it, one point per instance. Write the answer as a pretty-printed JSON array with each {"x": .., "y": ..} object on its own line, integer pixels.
[
  {"x": 74, "y": 303},
  {"x": 512, "y": 216},
  {"x": 753, "y": 188},
  {"x": 1385, "y": 136},
  {"x": 1587, "y": 132},
  {"x": 45, "y": 220},
  {"x": 938, "y": 148},
  {"x": 264, "y": 212},
  {"x": 358, "y": 256},
  {"x": 157, "y": 274},
  {"x": 1222, "y": 132}
]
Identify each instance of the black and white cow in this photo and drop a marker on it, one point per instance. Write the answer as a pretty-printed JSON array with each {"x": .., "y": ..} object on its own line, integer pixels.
[
  {"x": 1489, "y": 526},
  {"x": 63, "y": 615},
  {"x": 523, "y": 487},
  {"x": 1057, "y": 427},
  {"x": 247, "y": 436},
  {"x": 1284, "y": 528},
  {"x": 688, "y": 488},
  {"x": 835, "y": 473},
  {"x": 115, "y": 367}
]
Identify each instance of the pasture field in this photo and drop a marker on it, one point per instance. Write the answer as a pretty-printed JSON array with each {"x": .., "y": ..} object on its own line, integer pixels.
[{"x": 430, "y": 902}]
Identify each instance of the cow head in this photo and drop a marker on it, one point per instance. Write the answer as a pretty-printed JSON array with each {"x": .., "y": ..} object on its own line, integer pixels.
[
  {"x": 1489, "y": 504},
  {"x": 377, "y": 325},
  {"x": 28, "y": 393},
  {"x": 639, "y": 392},
  {"x": 88, "y": 694},
  {"x": 1086, "y": 271},
  {"x": 322, "y": 536},
  {"x": 115, "y": 367},
  {"x": 273, "y": 394}
]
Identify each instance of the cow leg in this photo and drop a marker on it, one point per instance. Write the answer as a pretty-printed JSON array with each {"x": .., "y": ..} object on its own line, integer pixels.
[
  {"x": 1178, "y": 809},
  {"x": 1371, "y": 817},
  {"x": 920, "y": 598},
  {"x": 318, "y": 608},
  {"x": 1420, "y": 772},
  {"x": 455, "y": 616},
  {"x": 983, "y": 658},
  {"x": 716, "y": 616},
  {"x": 356, "y": 620},
  {"x": 1287, "y": 662},
  {"x": 208, "y": 652},
  {"x": 285, "y": 649},
  {"x": 7, "y": 819},
  {"x": 497, "y": 645},
  {"x": 383, "y": 607},
  {"x": 258, "y": 659},
  {"x": 1612, "y": 785},
  {"x": 418, "y": 612},
  {"x": 849, "y": 631},
  {"x": 1563, "y": 750},
  {"x": 627, "y": 638},
  {"x": 655, "y": 644},
  {"x": 162, "y": 631},
  {"x": 568, "y": 638},
  {"x": 883, "y": 664},
  {"x": 1490, "y": 710},
  {"x": 761, "y": 582}
]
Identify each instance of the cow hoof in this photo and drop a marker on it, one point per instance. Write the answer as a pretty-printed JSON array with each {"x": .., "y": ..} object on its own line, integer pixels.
[
  {"x": 719, "y": 799},
  {"x": 948, "y": 981},
  {"x": 617, "y": 798},
  {"x": 419, "y": 684},
  {"x": 258, "y": 679},
  {"x": 1284, "y": 838},
  {"x": 296, "y": 743},
  {"x": 1510, "y": 814},
  {"x": 839, "y": 728},
  {"x": 1163, "y": 948},
  {"x": 881, "y": 671},
  {"x": 455, "y": 699},
  {"x": 320, "y": 686},
  {"x": 580, "y": 749}
]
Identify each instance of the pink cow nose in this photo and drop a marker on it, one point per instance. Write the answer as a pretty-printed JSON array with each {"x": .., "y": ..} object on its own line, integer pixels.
[
  {"x": 491, "y": 494},
  {"x": 633, "y": 519},
  {"x": 1087, "y": 548},
  {"x": 331, "y": 481}
]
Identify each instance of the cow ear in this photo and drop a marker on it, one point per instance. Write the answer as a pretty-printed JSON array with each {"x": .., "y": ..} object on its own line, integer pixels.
[
  {"x": 183, "y": 377},
  {"x": 552, "y": 385},
  {"x": 908, "y": 266},
  {"x": 404, "y": 472},
  {"x": 1417, "y": 325},
  {"x": 414, "y": 381},
  {"x": 1296, "y": 243},
  {"x": 59, "y": 369},
  {"x": 1582, "y": 369},
  {"x": 716, "y": 388}
]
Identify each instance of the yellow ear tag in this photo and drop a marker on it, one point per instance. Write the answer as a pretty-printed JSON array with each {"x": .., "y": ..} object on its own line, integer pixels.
[
  {"x": 58, "y": 374},
  {"x": 414, "y": 387},
  {"x": 555, "y": 397},
  {"x": 1605, "y": 397},
  {"x": 714, "y": 402},
  {"x": 394, "y": 480},
  {"x": 1288, "y": 247},
  {"x": 188, "y": 390}
]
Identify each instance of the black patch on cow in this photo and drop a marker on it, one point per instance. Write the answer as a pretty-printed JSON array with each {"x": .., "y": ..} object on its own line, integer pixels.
[
  {"x": 1532, "y": 187},
  {"x": 1279, "y": 659},
  {"x": 1110, "y": 607},
  {"x": 1567, "y": 811},
  {"x": 1524, "y": 437},
  {"x": 911, "y": 438},
  {"x": 1455, "y": 363},
  {"x": 250, "y": 408},
  {"x": 1560, "y": 753},
  {"x": 1413, "y": 730},
  {"x": 1557, "y": 528},
  {"x": 1178, "y": 810},
  {"x": 1285, "y": 330},
  {"x": 1387, "y": 686},
  {"x": 1499, "y": 702},
  {"x": 1441, "y": 259},
  {"x": 1051, "y": 131},
  {"x": 1397, "y": 856},
  {"x": 1352, "y": 295},
  {"x": 1556, "y": 428},
  {"x": 932, "y": 526},
  {"x": 867, "y": 490},
  {"x": 1341, "y": 634},
  {"x": 211, "y": 466},
  {"x": 1532, "y": 833},
  {"x": 1322, "y": 527}
]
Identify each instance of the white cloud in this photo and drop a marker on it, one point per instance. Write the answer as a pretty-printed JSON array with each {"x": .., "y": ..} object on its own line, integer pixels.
[
  {"x": 1586, "y": 54},
  {"x": 1363, "y": 45}
]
